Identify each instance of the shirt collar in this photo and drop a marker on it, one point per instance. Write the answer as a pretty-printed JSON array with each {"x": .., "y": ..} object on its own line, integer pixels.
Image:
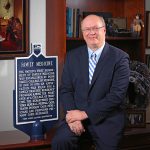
[{"x": 97, "y": 52}]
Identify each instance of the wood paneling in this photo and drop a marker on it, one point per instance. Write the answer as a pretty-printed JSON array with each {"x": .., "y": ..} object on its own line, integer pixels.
[
  {"x": 99, "y": 6},
  {"x": 56, "y": 30}
]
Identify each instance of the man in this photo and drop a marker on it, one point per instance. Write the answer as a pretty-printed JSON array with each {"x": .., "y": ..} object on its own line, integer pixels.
[{"x": 93, "y": 103}]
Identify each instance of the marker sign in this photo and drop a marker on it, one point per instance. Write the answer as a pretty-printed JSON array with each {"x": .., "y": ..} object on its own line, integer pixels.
[{"x": 36, "y": 89}]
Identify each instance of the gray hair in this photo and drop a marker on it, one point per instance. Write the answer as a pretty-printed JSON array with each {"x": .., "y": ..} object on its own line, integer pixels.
[{"x": 100, "y": 18}]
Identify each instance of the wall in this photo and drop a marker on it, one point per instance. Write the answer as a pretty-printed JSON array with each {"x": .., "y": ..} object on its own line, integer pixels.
[{"x": 37, "y": 35}]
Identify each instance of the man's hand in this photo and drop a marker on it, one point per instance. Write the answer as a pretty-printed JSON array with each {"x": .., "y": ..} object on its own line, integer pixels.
[
  {"x": 75, "y": 115},
  {"x": 77, "y": 127}
]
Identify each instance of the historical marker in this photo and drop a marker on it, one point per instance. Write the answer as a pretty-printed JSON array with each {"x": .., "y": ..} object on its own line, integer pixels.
[{"x": 36, "y": 96}]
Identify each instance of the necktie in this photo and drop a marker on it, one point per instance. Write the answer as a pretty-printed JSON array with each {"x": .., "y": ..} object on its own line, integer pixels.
[{"x": 92, "y": 65}]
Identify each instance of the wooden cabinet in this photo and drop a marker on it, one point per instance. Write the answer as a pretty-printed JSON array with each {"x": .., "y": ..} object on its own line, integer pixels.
[
  {"x": 57, "y": 43},
  {"x": 136, "y": 139}
]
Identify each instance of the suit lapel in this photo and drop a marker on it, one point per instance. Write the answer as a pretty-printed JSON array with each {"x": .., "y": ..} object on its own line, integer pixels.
[
  {"x": 102, "y": 61},
  {"x": 84, "y": 65}
]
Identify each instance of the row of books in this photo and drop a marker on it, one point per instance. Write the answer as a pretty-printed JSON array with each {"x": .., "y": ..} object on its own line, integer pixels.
[{"x": 73, "y": 19}]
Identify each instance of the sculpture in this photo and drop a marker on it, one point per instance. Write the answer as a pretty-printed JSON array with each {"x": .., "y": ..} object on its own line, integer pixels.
[
  {"x": 139, "y": 85},
  {"x": 137, "y": 25}
]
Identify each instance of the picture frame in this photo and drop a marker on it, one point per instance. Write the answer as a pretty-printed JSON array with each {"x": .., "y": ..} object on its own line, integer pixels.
[
  {"x": 136, "y": 118},
  {"x": 14, "y": 28},
  {"x": 148, "y": 29},
  {"x": 121, "y": 23}
]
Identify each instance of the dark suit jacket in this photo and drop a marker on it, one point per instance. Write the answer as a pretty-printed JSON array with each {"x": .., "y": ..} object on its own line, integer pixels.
[{"x": 103, "y": 100}]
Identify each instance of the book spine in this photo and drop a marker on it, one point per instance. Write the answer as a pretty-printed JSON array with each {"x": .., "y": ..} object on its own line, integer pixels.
[
  {"x": 77, "y": 22},
  {"x": 73, "y": 20},
  {"x": 67, "y": 21},
  {"x": 70, "y": 21}
]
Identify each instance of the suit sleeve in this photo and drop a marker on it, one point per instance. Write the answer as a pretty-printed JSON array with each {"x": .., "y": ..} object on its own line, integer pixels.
[
  {"x": 66, "y": 92},
  {"x": 102, "y": 108}
]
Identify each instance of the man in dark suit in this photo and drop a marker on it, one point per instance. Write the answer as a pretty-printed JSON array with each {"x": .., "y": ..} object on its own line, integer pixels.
[{"x": 93, "y": 102}]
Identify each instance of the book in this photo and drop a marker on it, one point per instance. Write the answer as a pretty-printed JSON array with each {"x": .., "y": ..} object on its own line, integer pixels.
[{"x": 73, "y": 20}]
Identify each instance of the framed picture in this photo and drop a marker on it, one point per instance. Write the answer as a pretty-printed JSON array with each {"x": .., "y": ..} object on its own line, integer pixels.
[
  {"x": 14, "y": 28},
  {"x": 121, "y": 23},
  {"x": 147, "y": 29},
  {"x": 136, "y": 118}
]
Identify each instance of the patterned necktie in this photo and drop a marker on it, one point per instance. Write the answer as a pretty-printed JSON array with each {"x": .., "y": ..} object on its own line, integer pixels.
[{"x": 92, "y": 65}]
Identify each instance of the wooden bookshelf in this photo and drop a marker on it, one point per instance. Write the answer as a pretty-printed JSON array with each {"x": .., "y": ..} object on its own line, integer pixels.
[
  {"x": 134, "y": 46},
  {"x": 57, "y": 43}
]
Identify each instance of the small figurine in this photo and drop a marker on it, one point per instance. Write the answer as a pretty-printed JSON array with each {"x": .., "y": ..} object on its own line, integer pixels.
[{"x": 137, "y": 24}]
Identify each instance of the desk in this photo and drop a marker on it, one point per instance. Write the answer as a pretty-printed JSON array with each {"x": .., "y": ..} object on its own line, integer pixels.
[
  {"x": 16, "y": 140},
  {"x": 134, "y": 139}
]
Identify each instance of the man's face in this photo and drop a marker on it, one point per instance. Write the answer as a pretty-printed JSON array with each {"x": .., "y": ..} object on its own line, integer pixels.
[{"x": 93, "y": 32}]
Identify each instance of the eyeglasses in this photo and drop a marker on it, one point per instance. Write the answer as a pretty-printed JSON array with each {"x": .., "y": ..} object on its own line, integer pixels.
[{"x": 94, "y": 29}]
